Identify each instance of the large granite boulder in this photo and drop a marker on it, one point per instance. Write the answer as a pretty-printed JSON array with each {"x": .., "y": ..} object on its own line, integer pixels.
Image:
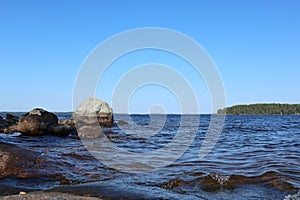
[
  {"x": 93, "y": 112},
  {"x": 41, "y": 122},
  {"x": 90, "y": 116}
]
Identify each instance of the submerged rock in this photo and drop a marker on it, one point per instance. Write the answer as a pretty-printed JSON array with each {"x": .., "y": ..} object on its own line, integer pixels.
[
  {"x": 89, "y": 132},
  {"x": 122, "y": 123},
  {"x": 94, "y": 111},
  {"x": 47, "y": 195},
  {"x": 62, "y": 130},
  {"x": 15, "y": 161}
]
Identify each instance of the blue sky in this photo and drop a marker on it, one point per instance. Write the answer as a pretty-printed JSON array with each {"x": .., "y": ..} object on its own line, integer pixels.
[{"x": 255, "y": 45}]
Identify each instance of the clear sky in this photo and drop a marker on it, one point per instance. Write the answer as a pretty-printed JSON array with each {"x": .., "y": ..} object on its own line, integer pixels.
[{"x": 255, "y": 45}]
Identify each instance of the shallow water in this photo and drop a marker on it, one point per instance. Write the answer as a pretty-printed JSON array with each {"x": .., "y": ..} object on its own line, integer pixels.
[{"x": 255, "y": 157}]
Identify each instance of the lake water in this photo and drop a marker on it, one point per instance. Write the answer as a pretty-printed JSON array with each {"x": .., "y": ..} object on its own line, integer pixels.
[{"x": 255, "y": 157}]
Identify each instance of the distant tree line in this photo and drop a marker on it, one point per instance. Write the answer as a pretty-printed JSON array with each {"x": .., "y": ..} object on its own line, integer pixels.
[{"x": 262, "y": 109}]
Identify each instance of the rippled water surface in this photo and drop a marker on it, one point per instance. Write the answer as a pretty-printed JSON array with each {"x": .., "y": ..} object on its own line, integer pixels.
[{"x": 255, "y": 157}]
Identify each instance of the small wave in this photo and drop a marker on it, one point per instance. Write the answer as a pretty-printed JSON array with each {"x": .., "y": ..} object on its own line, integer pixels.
[
  {"x": 215, "y": 182},
  {"x": 222, "y": 179},
  {"x": 293, "y": 196},
  {"x": 173, "y": 183}
]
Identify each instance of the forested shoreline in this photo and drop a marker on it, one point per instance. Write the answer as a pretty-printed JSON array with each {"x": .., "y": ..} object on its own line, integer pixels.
[{"x": 262, "y": 109}]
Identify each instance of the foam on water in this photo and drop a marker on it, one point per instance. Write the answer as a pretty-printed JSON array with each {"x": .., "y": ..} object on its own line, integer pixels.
[
  {"x": 293, "y": 196},
  {"x": 221, "y": 178}
]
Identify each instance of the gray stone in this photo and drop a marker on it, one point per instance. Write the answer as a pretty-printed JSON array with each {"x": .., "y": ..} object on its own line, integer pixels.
[
  {"x": 89, "y": 132},
  {"x": 92, "y": 112}
]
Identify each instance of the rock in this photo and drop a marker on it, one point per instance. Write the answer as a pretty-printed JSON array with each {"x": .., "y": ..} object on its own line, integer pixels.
[
  {"x": 15, "y": 161},
  {"x": 8, "y": 125},
  {"x": 22, "y": 193},
  {"x": 2, "y": 125},
  {"x": 37, "y": 122},
  {"x": 69, "y": 122},
  {"x": 122, "y": 123},
  {"x": 94, "y": 111},
  {"x": 41, "y": 122},
  {"x": 61, "y": 130},
  {"x": 66, "y": 121},
  {"x": 1, "y": 120},
  {"x": 10, "y": 129},
  {"x": 89, "y": 132},
  {"x": 44, "y": 195},
  {"x": 11, "y": 119},
  {"x": 67, "y": 125}
]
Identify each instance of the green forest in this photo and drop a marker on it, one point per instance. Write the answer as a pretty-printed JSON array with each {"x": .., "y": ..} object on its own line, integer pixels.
[{"x": 262, "y": 109}]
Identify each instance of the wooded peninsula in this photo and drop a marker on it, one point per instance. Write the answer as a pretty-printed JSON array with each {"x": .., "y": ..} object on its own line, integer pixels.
[{"x": 262, "y": 109}]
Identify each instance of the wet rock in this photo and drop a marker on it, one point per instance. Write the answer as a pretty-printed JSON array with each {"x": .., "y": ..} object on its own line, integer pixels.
[
  {"x": 113, "y": 136},
  {"x": 173, "y": 183},
  {"x": 94, "y": 111},
  {"x": 2, "y": 125},
  {"x": 61, "y": 130},
  {"x": 4, "y": 158},
  {"x": 8, "y": 125},
  {"x": 210, "y": 185},
  {"x": 15, "y": 161},
  {"x": 47, "y": 195},
  {"x": 215, "y": 182},
  {"x": 68, "y": 125},
  {"x": 41, "y": 122},
  {"x": 37, "y": 122},
  {"x": 283, "y": 185},
  {"x": 89, "y": 132},
  {"x": 122, "y": 123},
  {"x": 10, "y": 129},
  {"x": 11, "y": 119},
  {"x": 69, "y": 122}
]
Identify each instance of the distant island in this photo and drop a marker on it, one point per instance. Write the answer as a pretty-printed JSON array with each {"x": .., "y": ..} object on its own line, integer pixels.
[{"x": 262, "y": 109}]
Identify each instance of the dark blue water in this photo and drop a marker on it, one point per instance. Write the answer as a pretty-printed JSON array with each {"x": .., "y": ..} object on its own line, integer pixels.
[{"x": 255, "y": 157}]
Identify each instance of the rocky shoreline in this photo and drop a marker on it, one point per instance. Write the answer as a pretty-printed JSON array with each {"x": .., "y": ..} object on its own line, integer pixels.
[
  {"x": 88, "y": 116},
  {"x": 16, "y": 162}
]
